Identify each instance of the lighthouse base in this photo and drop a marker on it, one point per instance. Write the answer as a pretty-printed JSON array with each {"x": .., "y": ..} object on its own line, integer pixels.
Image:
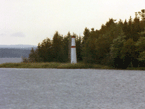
[{"x": 73, "y": 55}]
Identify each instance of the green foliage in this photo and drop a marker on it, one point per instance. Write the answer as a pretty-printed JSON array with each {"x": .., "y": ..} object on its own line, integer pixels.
[
  {"x": 88, "y": 50},
  {"x": 140, "y": 49},
  {"x": 142, "y": 56},
  {"x": 115, "y": 49},
  {"x": 25, "y": 60},
  {"x": 45, "y": 51},
  {"x": 140, "y": 44},
  {"x": 128, "y": 53},
  {"x": 128, "y": 49},
  {"x": 54, "y": 65},
  {"x": 132, "y": 29},
  {"x": 66, "y": 47},
  {"x": 57, "y": 48},
  {"x": 79, "y": 48},
  {"x": 118, "y": 44},
  {"x": 102, "y": 48},
  {"x": 86, "y": 35},
  {"x": 106, "y": 39},
  {"x": 33, "y": 56}
]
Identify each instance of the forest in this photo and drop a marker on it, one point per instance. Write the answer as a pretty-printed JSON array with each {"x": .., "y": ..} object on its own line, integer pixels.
[{"x": 117, "y": 44}]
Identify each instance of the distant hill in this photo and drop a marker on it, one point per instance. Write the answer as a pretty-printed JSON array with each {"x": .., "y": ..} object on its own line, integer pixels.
[
  {"x": 18, "y": 46},
  {"x": 15, "y": 51}
]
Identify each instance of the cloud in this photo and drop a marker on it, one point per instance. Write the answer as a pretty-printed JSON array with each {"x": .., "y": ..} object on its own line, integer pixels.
[
  {"x": 18, "y": 34},
  {"x": 2, "y": 34}
]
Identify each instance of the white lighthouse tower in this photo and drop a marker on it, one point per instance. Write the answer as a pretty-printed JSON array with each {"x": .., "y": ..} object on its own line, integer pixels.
[{"x": 73, "y": 50}]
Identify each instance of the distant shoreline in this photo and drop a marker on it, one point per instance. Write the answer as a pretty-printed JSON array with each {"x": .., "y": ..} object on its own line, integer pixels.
[
  {"x": 18, "y": 46},
  {"x": 63, "y": 66}
]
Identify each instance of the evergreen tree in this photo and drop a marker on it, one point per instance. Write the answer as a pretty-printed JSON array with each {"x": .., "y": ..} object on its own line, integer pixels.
[
  {"x": 140, "y": 49},
  {"x": 57, "y": 47},
  {"x": 86, "y": 35},
  {"x": 115, "y": 51},
  {"x": 66, "y": 47},
  {"x": 118, "y": 44},
  {"x": 79, "y": 48},
  {"x": 136, "y": 29},
  {"x": 45, "y": 50},
  {"x": 88, "y": 48},
  {"x": 125, "y": 29},
  {"x": 128, "y": 53},
  {"x": 33, "y": 56}
]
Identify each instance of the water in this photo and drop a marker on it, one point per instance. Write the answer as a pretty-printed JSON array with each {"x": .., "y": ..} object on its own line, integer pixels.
[
  {"x": 10, "y": 60},
  {"x": 71, "y": 89}
]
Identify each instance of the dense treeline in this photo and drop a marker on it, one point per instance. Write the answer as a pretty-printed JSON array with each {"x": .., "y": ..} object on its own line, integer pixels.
[{"x": 118, "y": 44}]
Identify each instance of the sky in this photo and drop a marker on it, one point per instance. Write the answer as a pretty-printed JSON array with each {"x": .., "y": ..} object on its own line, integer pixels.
[{"x": 32, "y": 21}]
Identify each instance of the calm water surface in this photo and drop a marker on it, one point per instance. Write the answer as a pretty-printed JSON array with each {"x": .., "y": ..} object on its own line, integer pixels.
[
  {"x": 10, "y": 60},
  {"x": 71, "y": 89}
]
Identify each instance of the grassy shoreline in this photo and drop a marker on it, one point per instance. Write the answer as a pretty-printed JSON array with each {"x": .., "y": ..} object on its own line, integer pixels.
[
  {"x": 53, "y": 65},
  {"x": 62, "y": 66}
]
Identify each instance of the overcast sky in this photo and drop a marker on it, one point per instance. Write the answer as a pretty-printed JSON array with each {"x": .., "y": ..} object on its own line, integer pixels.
[{"x": 31, "y": 21}]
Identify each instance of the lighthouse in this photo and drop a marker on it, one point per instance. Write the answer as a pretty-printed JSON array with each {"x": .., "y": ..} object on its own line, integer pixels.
[{"x": 73, "y": 50}]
